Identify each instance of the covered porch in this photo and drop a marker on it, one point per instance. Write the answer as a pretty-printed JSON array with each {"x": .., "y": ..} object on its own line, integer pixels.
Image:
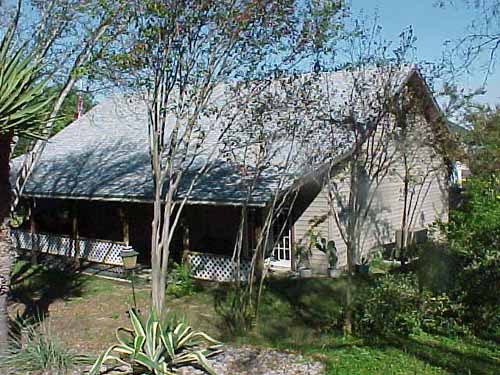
[{"x": 98, "y": 231}]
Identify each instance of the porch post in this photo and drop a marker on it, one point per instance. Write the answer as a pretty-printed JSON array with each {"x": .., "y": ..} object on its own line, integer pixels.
[
  {"x": 246, "y": 226},
  {"x": 76, "y": 234},
  {"x": 125, "y": 225},
  {"x": 292, "y": 248},
  {"x": 186, "y": 246},
  {"x": 258, "y": 235},
  {"x": 35, "y": 248}
]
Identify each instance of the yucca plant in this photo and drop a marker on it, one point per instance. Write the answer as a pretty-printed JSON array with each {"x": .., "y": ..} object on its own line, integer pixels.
[
  {"x": 24, "y": 103},
  {"x": 158, "y": 347},
  {"x": 24, "y": 107}
]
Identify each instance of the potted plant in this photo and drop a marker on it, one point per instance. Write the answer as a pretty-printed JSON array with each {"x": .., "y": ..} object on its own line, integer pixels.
[
  {"x": 304, "y": 263},
  {"x": 363, "y": 265},
  {"x": 329, "y": 248}
]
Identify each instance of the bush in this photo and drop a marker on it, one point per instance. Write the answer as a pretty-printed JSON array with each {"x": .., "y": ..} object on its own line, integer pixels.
[
  {"x": 474, "y": 237},
  {"x": 437, "y": 268},
  {"x": 181, "y": 283},
  {"x": 397, "y": 305},
  {"x": 37, "y": 349},
  {"x": 236, "y": 310},
  {"x": 441, "y": 315},
  {"x": 389, "y": 307}
]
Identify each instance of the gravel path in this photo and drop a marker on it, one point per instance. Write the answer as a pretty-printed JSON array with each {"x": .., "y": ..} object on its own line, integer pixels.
[
  {"x": 249, "y": 360},
  {"x": 256, "y": 361}
]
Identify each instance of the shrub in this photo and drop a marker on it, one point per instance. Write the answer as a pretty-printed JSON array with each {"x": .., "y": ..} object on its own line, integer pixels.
[
  {"x": 181, "y": 283},
  {"x": 160, "y": 347},
  {"x": 474, "y": 236},
  {"x": 437, "y": 268},
  {"x": 236, "y": 310},
  {"x": 389, "y": 307},
  {"x": 397, "y": 305},
  {"x": 324, "y": 314},
  {"x": 37, "y": 349},
  {"x": 441, "y": 315}
]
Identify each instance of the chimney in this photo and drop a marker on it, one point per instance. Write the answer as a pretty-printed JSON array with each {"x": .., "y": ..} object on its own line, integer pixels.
[{"x": 79, "y": 107}]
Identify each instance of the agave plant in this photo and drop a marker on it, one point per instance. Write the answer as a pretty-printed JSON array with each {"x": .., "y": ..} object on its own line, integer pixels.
[{"x": 159, "y": 348}]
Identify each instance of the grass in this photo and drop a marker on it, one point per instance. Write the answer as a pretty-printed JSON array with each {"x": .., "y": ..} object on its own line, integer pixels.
[
  {"x": 296, "y": 315},
  {"x": 35, "y": 348}
]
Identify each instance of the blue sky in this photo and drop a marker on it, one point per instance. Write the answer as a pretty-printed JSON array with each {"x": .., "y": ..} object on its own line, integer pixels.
[{"x": 432, "y": 26}]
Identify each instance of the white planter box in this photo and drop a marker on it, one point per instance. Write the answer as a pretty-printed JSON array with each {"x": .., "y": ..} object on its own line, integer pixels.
[
  {"x": 334, "y": 273},
  {"x": 305, "y": 273}
]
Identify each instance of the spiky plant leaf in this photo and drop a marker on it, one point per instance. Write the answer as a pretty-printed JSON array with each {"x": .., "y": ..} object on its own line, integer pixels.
[
  {"x": 24, "y": 104},
  {"x": 161, "y": 349}
]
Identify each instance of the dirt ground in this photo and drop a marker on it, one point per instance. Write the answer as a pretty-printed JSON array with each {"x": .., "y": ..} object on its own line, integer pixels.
[{"x": 87, "y": 321}]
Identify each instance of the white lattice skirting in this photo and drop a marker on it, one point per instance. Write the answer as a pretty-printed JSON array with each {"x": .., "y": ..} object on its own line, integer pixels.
[
  {"x": 98, "y": 251},
  {"x": 214, "y": 267}
]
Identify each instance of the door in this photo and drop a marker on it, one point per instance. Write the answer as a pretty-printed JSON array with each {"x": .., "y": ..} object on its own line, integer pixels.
[{"x": 282, "y": 252}]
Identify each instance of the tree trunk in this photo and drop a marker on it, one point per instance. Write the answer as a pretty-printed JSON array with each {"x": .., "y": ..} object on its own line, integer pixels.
[
  {"x": 351, "y": 245},
  {"x": 5, "y": 246}
]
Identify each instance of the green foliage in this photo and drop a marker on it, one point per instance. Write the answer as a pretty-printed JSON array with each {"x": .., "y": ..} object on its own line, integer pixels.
[
  {"x": 312, "y": 237},
  {"x": 23, "y": 105},
  {"x": 37, "y": 349},
  {"x": 181, "y": 283},
  {"x": 474, "y": 237},
  {"x": 389, "y": 307},
  {"x": 484, "y": 143},
  {"x": 328, "y": 248},
  {"x": 159, "y": 347},
  {"x": 236, "y": 310},
  {"x": 397, "y": 304},
  {"x": 436, "y": 268},
  {"x": 442, "y": 315},
  {"x": 474, "y": 230}
]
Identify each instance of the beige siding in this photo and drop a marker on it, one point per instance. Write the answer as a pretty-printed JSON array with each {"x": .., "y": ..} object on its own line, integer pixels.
[
  {"x": 317, "y": 208},
  {"x": 387, "y": 207}
]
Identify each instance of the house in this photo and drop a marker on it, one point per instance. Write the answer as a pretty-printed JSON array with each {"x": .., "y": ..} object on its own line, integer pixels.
[{"x": 92, "y": 193}]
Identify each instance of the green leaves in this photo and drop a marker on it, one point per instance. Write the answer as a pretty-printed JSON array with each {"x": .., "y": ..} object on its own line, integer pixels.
[
  {"x": 329, "y": 249},
  {"x": 160, "y": 348},
  {"x": 24, "y": 107},
  {"x": 473, "y": 234}
]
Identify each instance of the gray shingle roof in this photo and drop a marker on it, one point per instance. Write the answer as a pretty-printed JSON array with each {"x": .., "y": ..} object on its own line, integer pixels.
[{"x": 104, "y": 155}]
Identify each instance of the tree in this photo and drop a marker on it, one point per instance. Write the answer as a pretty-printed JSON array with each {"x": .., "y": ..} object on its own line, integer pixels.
[
  {"x": 480, "y": 44},
  {"x": 483, "y": 142},
  {"x": 23, "y": 110},
  {"x": 360, "y": 121},
  {"x": 266, "y": 144},
  {"x": 71, "y": 38},
  {"x": 184, "y": 56},
  {"x": 64, "y": 38},
  {"x": 423, "y": 147}
]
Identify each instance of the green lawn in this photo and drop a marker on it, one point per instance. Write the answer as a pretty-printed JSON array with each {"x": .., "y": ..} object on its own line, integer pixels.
[{"x": 296, "y": 315}]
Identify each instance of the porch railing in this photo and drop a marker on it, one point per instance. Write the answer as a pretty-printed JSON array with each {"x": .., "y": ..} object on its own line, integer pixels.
[
  {"x": 214, "y": 267},
  {"x": 99, "y": 251}
]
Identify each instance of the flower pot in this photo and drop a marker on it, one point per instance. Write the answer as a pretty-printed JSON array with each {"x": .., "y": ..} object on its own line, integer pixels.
[
  {"x": 305, "y": 273},
  {"x": 334, "y": 273},
  {"x": 362, "y": 268}
]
